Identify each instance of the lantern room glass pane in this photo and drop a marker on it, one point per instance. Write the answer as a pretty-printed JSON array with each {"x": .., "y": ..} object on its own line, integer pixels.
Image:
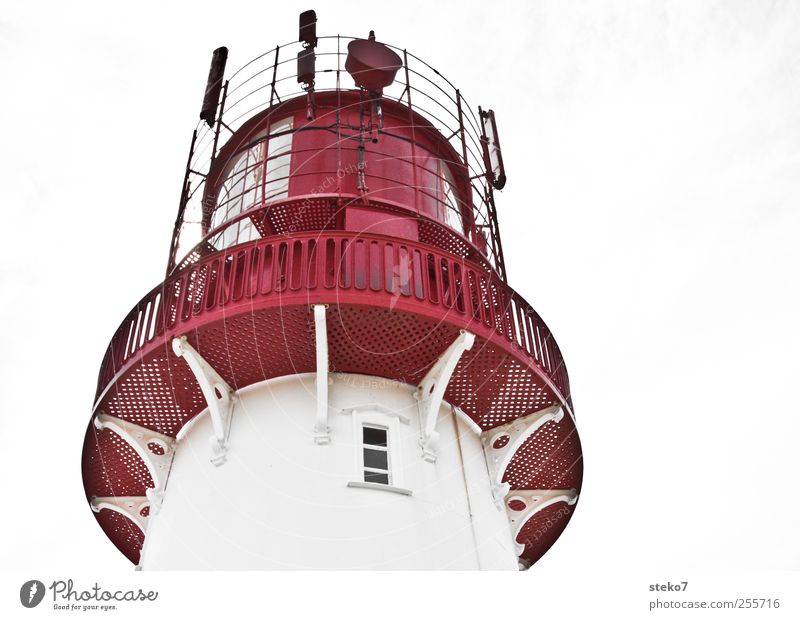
[
  {"x": 450, "y": 209},
  {"x": 279, "y": 157},
  {"x": 258, "y": 174}
]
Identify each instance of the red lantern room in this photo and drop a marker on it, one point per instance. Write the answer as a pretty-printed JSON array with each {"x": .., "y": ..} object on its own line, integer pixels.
[{"x": 334, "y": 337}]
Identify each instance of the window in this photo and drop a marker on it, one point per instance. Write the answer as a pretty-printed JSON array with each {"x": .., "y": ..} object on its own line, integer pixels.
[
  {"x": 375, "y": 441},
  {"x": 378, "y": 448},
  {"x": 279, "y": 155},
  {"x": 258, "y": 174},
  {"x": 239, "y": 192}
]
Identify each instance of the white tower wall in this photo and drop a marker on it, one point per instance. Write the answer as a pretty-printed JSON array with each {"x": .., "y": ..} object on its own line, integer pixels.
[{"x": 281, "y": 501}]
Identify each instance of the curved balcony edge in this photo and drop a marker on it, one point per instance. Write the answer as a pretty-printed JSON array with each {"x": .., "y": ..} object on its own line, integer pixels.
[{"x": 337, "y": 267}]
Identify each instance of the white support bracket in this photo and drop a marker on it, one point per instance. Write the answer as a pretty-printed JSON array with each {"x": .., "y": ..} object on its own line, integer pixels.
[
  {"x": 137, "y": 509},
  {"x": 502, "y": 442},
  {"x": 431, "y": 392},
  {"x": 467, "y": 421},
  {"x": 155, "y": 449},
  {"x": 218, "y": 394},
  {"x": 534, "y": 501},
  {"x": 322, "y": 432}
]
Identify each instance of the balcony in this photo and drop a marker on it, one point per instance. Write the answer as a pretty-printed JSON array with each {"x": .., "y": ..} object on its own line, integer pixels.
[
  {"x": 390, "y": 297},
  {"x": 393, "y": 308}
]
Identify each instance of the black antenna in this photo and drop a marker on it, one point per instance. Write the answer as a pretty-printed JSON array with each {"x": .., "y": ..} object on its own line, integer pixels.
[
  {"x": 306, "y": 67},
  {"x": 306, "y": 59},
  {"x": 308, "y": 28},
  {"x": 208, "y": 112}
]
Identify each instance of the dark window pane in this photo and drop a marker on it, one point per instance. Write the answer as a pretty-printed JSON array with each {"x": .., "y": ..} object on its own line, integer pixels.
[
  {"x": 372, "y": 476},
  {"x": 377, "y": 459},
  {"x": 374, "y": 436}
]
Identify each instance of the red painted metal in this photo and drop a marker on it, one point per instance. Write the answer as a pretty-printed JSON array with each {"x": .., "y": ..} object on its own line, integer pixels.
[
  {"x": 543, "y": 529},
  {"x": 372, "y": 64},
  {"x": 550, "y": 459},
  {"x": 122, "y": 532}
]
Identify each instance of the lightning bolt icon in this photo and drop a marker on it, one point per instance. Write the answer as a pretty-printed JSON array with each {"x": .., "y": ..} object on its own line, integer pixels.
[{"x": 34, "y": 589}]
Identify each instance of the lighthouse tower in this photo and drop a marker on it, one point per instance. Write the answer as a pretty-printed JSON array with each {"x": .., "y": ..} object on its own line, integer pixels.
[{"x": 334, "y": 372}]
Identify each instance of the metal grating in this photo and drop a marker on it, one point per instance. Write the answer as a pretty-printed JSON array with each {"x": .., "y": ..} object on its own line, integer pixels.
[
  {"x": 436, "y": 235},
  {"x": 495, "y": 388},
  {"x": 112, "y": 466},
  {"x": 146, "y": 395},
  {"x": 543, "y": 529},
  {"x": 386, "y": 343},
  {"x": 303, "y": 215},
  {"x": 550, "y": 459},
  {"x": 123, "y": 533}
]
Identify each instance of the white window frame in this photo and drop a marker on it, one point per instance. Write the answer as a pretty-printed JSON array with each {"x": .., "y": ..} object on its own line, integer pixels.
[{"x": 389, "y": 421}]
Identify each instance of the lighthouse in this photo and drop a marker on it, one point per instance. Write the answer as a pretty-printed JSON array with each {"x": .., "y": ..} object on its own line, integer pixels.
[{"x": 334, "y": 372}]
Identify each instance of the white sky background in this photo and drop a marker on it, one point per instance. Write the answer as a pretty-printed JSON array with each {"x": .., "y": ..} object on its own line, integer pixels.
[{"x": 651, "y": 216}]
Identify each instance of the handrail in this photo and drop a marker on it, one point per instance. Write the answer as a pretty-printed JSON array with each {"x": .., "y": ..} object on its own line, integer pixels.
[
  {"x": 211, "y": 240},
  {"x": 336, "y": 262}
]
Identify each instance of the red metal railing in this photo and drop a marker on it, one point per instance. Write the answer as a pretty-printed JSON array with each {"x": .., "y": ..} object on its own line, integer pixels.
[{"x": 337, "y": 267}]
